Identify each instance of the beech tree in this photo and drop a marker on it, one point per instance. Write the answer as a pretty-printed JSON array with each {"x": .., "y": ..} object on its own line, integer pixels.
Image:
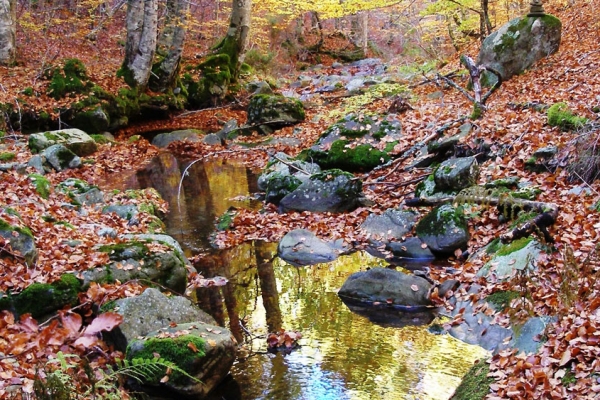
[
  {"x": 170, "y": 46},
  {"x": 142, "y": 28},
  {"x": 8, "y": 19},
  {"x": 235, "y": 42}
]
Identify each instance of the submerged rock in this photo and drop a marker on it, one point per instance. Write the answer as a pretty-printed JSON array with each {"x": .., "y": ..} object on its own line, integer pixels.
[
  {"x": 387, "y": 286},
  {"x": 301, "y": 247}
]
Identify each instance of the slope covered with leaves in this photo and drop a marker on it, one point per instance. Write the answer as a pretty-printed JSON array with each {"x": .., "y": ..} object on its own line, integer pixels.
[{"x": 565, "y": 367}]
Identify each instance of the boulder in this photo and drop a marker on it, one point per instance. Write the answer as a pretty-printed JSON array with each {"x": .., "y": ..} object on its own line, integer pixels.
[
  {"x": 301, "y": 247},
  {"x": 81, "y": 192},
  {"x": 358, "y": 142},
  {"x": 92, "y": 121},
  {"x": 456, "y": 174},
  {"x": 518, "y": 44},
  {"x": 139, "y": 259},
  {"x": 205, "y": 352},
  {"x": 59, "y": 157},
  {"x": 393, "y": 224},
  {"x": 259, "y": 87},
  {"x": 387, "y": 286},
  {"x": 412, "y": 248},
  {"x": 271, "y": 111},
  {"x": 75, "y": 140},
  {"x": 283, "y": 175},
  {"x": 162, "y": 140},
  {"x": 329, "y": 191},
  {"x": 151, "y": 311},
  {"x": 21, "y": 241},
  {"x": 443, "y": 229}
]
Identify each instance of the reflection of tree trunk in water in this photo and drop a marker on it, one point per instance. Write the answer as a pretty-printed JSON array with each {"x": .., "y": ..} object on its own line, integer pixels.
[
  {"x": 211, "y": 299},
  {"x": 252, "y": 181},
  {"x": 198, "y": 204},
  {"x": 268, "y": 286}
]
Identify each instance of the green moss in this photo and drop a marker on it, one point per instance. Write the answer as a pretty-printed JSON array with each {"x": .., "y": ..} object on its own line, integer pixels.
[
  {"x": 134, "y": 138},
  {"x": 101, "y": 139},
  {"x": 477, "y": 112},
  {"x": 493, "y": 246},
  {"x": 508, "y": 40},
  {"x": 569, "y": 379},
  {"x": 551, "y": 21},
  {"x": 127, "y": 74},
  {"x": 500, "y": 300},
  {"x": 42, "y": 185},
  {"x": 363, "y": 157},
  {"x": 438, "y": 219},
  {"x": 475, "y": 385},
  {"x": 22, "y": 230},
  {"x": 40, "y": 299},
  {"x": 225, "y": 220},
  {"x": 515, "y": 245},
  {"x": 28, "y": 91},
  {"x": 5, "y": 157},
  {"x": 278, "y": 186},
  {"x": 522, "y": 218},
  {"x": 122, "y": 251},
  {"x": 177, "y": 350},
  {"x": 71, "y": 79},
  {"x": 559, "y": 114}
]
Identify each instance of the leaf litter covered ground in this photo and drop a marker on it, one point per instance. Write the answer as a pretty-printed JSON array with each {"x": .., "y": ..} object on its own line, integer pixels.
[{"x": 567, "y": 365}]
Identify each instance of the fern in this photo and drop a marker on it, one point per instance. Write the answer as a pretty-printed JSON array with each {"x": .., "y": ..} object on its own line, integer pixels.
[{"x": 146, "y": 370}]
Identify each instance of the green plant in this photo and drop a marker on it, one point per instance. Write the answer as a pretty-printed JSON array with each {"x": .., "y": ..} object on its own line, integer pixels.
[{"x": 559, "y": 114}]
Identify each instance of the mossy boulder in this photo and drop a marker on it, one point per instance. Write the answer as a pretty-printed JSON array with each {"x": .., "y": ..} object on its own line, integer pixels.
[
  {"x": 559, "y": 114},
  {"x": 60, "y": 158},
  {"x": 387, "y": 286},
  {"x": 80, "y": 192},
  {"x": 444, "y": 230},
  {"x": 42, "y": 299},
  {"x": 204, "y": 351},
  {"x": 455, "y": 174},
  {"x": 267, "y": 112},
  {"x": 69, "y": 80},
  {"x": 475, "y": 385},
  {"x": 511, "y": 258},
  {"x": 328, "y": 191},
  {"x": 358, "y": 142},
  {"x": 75, "y": 140},
  {"x": 139, "y": 259},
  {"x": 94, "y": 120},
  {"x": 21, "y": 241},
  {"x": 283, "y": 175},
  {"x": 518, "y": 44}
]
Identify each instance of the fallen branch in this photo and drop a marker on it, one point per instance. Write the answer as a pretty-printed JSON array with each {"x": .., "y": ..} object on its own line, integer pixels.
[{"x": 548, "y": 212}]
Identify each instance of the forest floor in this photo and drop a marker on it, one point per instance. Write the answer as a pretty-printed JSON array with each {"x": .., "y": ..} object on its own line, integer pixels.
[{"x": 571, "y": 75}]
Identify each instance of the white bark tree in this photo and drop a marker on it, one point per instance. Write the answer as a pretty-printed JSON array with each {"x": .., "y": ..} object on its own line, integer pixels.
[
  {"x": 142, "y": 28},
  {"x": 8, "y": 22},
  {"x": 170, "y": 46},
  {"x": 235, "y": 42}
]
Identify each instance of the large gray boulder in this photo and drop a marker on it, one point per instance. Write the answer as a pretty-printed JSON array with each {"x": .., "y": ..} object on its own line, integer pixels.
[
  {"x": 518, "y": 44},
  {"x": 150, "y": 311},
  {"x": 164, "y": 139},
  {"x": 456, "y": 174},
  {"x": 444, "y": 229},
  {"x": 387, "y": 286},
  {"x": 392, "y": 224},
  {"x": 75, "y": 140},
  {"x": 329, "y": 191},
  {"x": 301, "y": 247},
  {"x": 59, "y": 157},
  {"x": 509, "y": 259}
]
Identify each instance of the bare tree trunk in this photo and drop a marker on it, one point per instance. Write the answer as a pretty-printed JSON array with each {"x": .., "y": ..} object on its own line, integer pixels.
[
  {"x": 235, "y": 42},
  {"x": 8, "y": 23},
  {"x": 142, "y": 26},
  {"x": 363, "y": 24},
  {"x": 170, "y": 46}
]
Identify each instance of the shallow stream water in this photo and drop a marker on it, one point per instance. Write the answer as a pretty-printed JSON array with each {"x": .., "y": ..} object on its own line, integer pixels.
[{"x": 344, "y": 354}]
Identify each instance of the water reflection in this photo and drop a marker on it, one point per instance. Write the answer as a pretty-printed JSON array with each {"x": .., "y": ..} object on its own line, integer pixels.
[{"x": 343, "y": 354}]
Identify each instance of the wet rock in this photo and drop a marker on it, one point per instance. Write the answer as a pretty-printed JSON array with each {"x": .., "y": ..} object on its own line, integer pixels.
[
  {"x": 301, "y": 247},
  {"x": 412, "y": 248},
  {"x": 329, "y": 191},
  {"x": 387, "y": 286},
  {"x": 75, "y": 140},
  {"x": 392, "y": 224},
  {"x": 518, "y": 44},
  {"x": 283, "y": 176},
  {"x": 444, "y": 230},
  {"x": 162, "y": 140}
]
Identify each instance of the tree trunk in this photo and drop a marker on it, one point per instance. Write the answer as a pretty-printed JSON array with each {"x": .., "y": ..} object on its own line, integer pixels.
[
  {"x": 142, "y": 26},
  {"x": 170, "y": 46},
  {"x": 8, "y": 23},
  {"x": 236, "y": 40}
]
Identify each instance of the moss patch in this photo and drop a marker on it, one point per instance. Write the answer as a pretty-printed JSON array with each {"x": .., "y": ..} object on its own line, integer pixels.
[
  {"x": 500, "y": 300},
  {"x": 514, "y": 246},
  {"x": 177, "y": 350},
  {"x": 71, "y": 79},
  {"x": 42, "y": 185},
  {"x": 5, "y": 157},
  {"x": 475, "y": 384},
  {"x": 40, "y": 299},
  {"x": 559, "y": 114}
]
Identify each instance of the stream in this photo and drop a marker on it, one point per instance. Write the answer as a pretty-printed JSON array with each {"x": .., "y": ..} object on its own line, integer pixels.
[{"x": 343, "y": 353}]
